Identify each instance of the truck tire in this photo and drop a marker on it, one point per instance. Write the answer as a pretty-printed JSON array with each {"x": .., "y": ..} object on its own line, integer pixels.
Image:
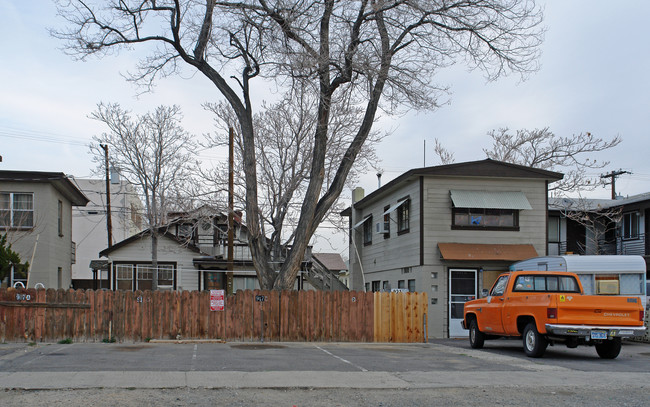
[
  {"x": 534, "y": 343},
  {"x": 476, "y": 337},
  {"x": 609, "y": 349}
]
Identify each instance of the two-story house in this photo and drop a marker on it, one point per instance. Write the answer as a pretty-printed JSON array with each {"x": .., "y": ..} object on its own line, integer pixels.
[
  {"x": 36, "y": 216},
  {"x": 89, "y": 226},
  {"x": 192, "y": 255},
  {"x": 449, "y": 231}
]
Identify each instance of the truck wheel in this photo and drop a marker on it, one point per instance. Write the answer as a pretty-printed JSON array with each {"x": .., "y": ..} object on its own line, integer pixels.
[
  {"x": 476, "y": 337},
  {"x": 534, "y": 343},
  {"x": 609, "y": 349}
]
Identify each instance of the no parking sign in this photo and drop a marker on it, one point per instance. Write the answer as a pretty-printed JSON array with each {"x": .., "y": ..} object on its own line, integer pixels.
[{"x": 216, "y": 300}]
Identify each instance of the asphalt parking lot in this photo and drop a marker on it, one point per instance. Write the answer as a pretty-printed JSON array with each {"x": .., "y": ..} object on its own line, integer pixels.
[{"x": 444, "y": 372}]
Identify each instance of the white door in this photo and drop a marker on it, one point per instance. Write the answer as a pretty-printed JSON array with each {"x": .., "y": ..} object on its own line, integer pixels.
[{"x": 462, "y": 288}]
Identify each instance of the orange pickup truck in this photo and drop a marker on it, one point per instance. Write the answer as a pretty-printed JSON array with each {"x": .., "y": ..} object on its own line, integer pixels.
[{"x": 548, "y": 307}]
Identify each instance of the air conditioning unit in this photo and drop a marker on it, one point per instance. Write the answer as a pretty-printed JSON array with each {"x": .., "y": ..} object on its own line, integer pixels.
[{"x": 382, "y": 227}]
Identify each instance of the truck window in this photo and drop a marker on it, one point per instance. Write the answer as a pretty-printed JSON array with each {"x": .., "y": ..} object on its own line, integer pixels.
[
  {"x": 499, "y": 287},
  {"x": 553, "y": 284}
]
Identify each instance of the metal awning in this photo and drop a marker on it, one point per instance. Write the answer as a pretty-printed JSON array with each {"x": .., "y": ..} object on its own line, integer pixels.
[
  {"x": 395, "y": 206},
  {"x": 486, "y": 252},
  {"x": 489, "y": 199},
  {"x": 361, "y": 223}
]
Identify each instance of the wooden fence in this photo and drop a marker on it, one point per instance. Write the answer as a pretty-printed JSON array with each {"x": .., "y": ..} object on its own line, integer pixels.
[{"x": 52, "y": 315}]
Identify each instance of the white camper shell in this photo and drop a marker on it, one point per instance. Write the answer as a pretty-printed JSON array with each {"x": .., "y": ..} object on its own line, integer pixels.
[{"x": 599, "y": 275}]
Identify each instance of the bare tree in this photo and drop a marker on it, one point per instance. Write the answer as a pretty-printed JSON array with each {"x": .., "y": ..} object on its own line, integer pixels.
[
  {"x": 371, "y": 53},
  {"x": 541, "y": 148},
  {"x": 444, "y": 156},
  {"x": 153, "y": 152},
  {"x": 284, "y": 132}
]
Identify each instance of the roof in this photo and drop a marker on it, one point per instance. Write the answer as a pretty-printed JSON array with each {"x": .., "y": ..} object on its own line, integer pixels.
[
  {"x": 332, "y": 261},
  {"x": 577, "y": 204},
  {"x": 486, "y": 252},
  {"x": 162, "y": 231},
  {"x": 99, "y": 264},
  {"x": 58, "y": 179},
  {"x": 478, "y": 169}
]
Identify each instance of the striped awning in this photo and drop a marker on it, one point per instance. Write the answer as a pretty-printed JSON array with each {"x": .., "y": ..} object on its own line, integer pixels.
[{"x": 489, "y": 199}]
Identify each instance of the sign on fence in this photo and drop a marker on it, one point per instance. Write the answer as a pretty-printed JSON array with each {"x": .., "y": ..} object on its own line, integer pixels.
[{"x": 216, "y": 300}]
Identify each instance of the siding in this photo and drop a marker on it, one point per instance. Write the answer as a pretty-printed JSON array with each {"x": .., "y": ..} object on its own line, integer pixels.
[
  {"x": 187, "y": 277},
  {"x": 52, "y": 251}
]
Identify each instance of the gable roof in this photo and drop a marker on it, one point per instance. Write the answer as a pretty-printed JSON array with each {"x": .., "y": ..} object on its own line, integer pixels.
[
  {"x": 58, "y": 179},
  {"x": 595, "y": 205},
  {"x": 162, "y": 231},
  {"x": 487, "y": 168},
  {"x": 332, "y": 261}
]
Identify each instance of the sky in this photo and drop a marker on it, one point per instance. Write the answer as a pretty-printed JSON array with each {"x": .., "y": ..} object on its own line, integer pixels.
[{"x": 593, "y": 78}]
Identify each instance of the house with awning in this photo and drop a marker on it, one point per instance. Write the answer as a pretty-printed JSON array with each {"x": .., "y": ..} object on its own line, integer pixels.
[{"x": 448, "y": 231}]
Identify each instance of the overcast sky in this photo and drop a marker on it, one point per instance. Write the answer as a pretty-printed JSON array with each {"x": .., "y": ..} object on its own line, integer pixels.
[{"x": 593, "y": 78}]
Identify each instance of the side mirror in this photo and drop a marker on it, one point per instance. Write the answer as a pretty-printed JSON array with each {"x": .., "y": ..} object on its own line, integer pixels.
[{"x": 484, "y": 292}]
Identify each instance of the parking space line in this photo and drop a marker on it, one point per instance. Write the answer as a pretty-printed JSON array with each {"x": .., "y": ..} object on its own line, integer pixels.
[
  {"x": 193, "y": 366},
  {"x": 342, "y": 360}
]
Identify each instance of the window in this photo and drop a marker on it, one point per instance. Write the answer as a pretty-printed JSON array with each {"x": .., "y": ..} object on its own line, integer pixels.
[
  {"x": 375, "y": 286},
  {"x": 561, "y": 284},
  {"x": 400, "y": 284},
  {"x": 145, "y": 277},
  {"x": 367, "y": 231},
  {"x": 631, "y": 225},
  {"x": 554, "y": 229},
  {"x": 478, "y": 218},
  {"x": 16, "y": 210},
  {"x": 385, "y": 286},
  {"x": 165, "y": 276},
  {"x": 403, "y": 217},
  {"x": 60, "y": 218},
  {"x": 387, "y": 222},
  {"x": 499, "y": 287},
  {"x": 124, "y": 276},
  {"x": 411, "y": 286}
]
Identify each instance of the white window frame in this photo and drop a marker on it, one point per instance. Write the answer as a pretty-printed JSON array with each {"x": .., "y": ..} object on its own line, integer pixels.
[{"x": 12, "y": 211}]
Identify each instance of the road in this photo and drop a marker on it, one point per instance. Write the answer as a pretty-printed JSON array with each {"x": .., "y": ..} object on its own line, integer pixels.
[{"x": 442, "y": 372}]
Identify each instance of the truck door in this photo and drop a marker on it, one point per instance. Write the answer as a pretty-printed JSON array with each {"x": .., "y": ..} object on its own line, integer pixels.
[{"x": 492, "y": 312}]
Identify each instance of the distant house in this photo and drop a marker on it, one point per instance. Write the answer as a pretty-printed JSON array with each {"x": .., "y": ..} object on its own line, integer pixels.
[
  {"x": 36, "y": 214},
  {"x": 448, "y": 231},
  {"x": 623, "y": 234},
  {"x": 192, "y": 255},
  {"x": 89, "y": 227}
]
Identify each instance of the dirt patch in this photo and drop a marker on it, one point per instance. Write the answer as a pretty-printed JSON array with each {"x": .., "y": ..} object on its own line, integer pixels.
[{"x": 132, "y": 348}]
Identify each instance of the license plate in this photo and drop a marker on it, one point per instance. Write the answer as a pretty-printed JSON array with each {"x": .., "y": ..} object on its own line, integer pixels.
[{"x": 598, "y": 334}]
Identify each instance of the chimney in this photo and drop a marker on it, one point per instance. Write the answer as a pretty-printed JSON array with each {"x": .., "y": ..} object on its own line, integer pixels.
[{"x": 357, "y": 194}]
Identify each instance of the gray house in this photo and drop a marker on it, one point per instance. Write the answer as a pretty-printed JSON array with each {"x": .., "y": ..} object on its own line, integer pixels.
[
  {"x": 448, "y": 231},
  {"x": 36, "y": 215}
]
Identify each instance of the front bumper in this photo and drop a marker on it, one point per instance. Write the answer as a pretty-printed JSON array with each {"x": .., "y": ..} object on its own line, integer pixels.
[{"x": 585, "y": 330}]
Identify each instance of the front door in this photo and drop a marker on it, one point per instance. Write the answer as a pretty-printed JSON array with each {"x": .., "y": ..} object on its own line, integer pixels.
[{"x": 462, "y": 288}]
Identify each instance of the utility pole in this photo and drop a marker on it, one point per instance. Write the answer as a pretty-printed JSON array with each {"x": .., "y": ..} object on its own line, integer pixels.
[
  {"x": 231, "y": 204},
  {"x": 109, "y": 223},
  {"x": 613, "y": 176}
]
